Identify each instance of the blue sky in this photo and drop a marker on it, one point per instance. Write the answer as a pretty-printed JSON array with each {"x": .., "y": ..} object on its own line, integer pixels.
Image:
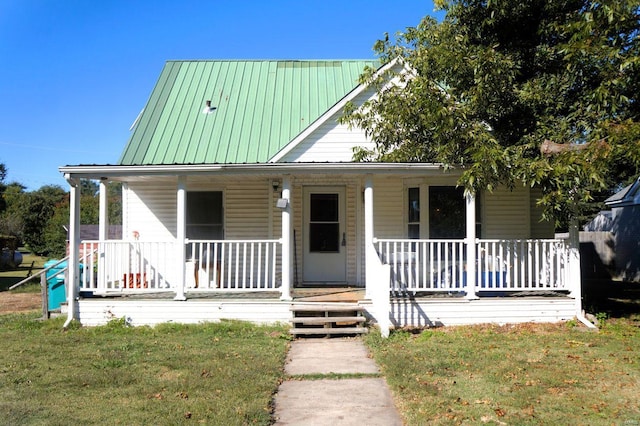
[{"x": 74, "y": 74}]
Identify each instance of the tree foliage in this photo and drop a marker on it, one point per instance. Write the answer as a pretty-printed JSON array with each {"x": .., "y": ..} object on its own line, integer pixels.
[
  {"x": 496, "y": 78},
  {"x": 37, "y": 210},
  {"x": 40, "y": 219}
]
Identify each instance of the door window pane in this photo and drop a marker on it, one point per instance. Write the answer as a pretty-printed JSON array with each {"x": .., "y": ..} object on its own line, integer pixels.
[
  {"x": 324, "y": 208},
  {"x": 324, "y": 225},
  {"x": 324, "y": 237}
]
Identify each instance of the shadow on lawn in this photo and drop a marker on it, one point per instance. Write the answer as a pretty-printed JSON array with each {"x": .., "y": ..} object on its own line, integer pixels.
[{"x": 618, "y": 299}]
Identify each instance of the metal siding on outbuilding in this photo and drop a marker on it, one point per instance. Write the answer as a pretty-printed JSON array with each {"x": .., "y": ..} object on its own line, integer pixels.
[{"x": 260, "y": 107}]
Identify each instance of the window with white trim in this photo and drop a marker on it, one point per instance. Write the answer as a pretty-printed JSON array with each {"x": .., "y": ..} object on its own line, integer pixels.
[
  {"x": 443, "y": 212},
  {"x": 204, "y": 216}
]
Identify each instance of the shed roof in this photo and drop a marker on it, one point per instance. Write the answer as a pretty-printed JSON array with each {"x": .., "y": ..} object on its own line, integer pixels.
[
  {"x": 624, "y": 197},
  {"x": 257, "y": 107}
]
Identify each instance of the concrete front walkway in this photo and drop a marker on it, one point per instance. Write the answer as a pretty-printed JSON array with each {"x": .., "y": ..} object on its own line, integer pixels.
[{"x": 333, "y": 401}]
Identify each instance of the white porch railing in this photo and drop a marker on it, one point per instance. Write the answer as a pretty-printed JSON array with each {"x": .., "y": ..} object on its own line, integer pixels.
[
  {"x": 127, "y": 266},
  {"x": 234, "y": 265},
  {"x": 145, "y": 266},
  {"x": 522, "y": 265},
  {"x": 423, "y": 265},
  {"x": 501, "y": 265}
]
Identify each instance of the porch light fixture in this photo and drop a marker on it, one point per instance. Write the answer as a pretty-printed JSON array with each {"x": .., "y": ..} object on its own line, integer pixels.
[
  {"x": 208, "y": 109},
  {"x": 282, "y": 203},
  {"x": 275, "y": 184}
]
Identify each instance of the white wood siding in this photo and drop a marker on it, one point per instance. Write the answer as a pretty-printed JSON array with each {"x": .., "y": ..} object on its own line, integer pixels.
[
  {"x": 500, "y": 310},
  {"x": 247, "y": 209},
  {"x": 388, "y": 208},
  {"x": 505, "y": 213},
  {"x": 93, "y": 312},
  {"x": 150, "y": 210},
  {"x": 414, "y": 313},
  {"x": 331, "y": 141}
]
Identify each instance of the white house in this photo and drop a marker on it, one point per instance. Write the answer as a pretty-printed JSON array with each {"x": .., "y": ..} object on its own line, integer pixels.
[{"x": 240, "y": 195}]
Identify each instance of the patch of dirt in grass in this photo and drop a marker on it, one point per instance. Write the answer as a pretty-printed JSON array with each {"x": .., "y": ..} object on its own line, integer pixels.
[{"x": 11, "y": 303}]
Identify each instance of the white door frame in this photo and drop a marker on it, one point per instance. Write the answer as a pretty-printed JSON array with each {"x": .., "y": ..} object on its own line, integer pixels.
[{"x": 324, "y": 267}]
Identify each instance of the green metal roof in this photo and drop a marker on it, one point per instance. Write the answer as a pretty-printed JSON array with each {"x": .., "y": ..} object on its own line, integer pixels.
[{"x": 260, "y": 106}]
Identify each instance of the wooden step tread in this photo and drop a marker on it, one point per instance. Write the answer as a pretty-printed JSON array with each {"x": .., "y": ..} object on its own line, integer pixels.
[
  {"x": 325, "y": 320},
  {"x": 344, "y": 330},
  {"x": 325, "y": 307}
]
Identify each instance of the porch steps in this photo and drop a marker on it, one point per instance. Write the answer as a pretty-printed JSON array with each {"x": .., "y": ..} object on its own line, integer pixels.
[{"x": 327, "y": 319}]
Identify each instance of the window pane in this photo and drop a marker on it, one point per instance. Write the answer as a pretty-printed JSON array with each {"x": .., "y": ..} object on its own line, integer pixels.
[
  {"x": 324, "y": 208},
  {"x": 414, "y": 205},
  {"x": 414, "y": 231},
  {"x": 204, "y": 215},
  {"x": 447, "y": 212},
  {"x": 204, "y": 207},
  {"x": 204, "y": 232},
  {"x": 324, "y": 237}
]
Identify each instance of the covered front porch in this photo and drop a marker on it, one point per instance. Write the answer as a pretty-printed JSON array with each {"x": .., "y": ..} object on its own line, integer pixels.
[{"x": 256, "y": 278}]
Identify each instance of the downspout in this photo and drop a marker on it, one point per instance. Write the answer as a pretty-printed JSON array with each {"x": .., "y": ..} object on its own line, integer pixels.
[{"x": 74, "y": 242}]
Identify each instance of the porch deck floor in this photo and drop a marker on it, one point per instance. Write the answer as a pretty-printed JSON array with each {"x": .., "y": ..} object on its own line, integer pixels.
[
  {"x": 318, "y": 294},
  {"x": 307, "y": 294}
]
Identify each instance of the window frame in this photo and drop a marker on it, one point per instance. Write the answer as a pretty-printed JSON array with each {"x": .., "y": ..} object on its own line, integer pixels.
[{"x": 219, "y": 225}]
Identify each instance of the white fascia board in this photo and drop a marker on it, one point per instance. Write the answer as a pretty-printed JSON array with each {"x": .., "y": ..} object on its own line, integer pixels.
[{"x": 274, "y": 169}]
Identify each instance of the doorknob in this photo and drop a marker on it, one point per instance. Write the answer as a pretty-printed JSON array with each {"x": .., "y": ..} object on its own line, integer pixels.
[{"x": 344, "y": 239}]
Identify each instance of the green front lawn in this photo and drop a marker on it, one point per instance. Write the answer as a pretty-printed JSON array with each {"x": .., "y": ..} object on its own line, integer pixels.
[
  {"x": 517, "y": 375},
  {"x": 223, "y": 374}
]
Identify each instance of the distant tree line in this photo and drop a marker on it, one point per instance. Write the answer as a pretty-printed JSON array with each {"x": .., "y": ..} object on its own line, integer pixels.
[{"x": 39, "y": 220}]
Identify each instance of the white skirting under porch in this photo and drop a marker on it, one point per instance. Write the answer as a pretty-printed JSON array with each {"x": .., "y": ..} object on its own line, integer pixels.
[{"x": 405, "y": 312}]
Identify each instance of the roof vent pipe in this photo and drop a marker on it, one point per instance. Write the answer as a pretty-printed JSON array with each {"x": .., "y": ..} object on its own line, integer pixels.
[{"x": 208, "y": 109}]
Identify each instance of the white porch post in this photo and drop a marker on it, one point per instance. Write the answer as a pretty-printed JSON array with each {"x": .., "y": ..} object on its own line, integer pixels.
[
  {"x": 471, "y": 245},
  {"x": 181, "y": 235},
  {"x": 103, "y": 231},
  {"x": 74, "y": 242},
  {"x": 574, "y": 280},
  {"x": 369, "y": 251},
  {"x": 286, "y": 240},
  {"x": 103, "y": 217}
]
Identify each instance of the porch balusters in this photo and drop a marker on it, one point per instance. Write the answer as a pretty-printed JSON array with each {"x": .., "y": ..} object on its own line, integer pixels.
[
  {"x": 501, "y": 265},
  {"x": 232, "y": 265}
]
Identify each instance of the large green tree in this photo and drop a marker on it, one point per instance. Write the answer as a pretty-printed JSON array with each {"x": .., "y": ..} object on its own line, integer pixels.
[{"x": 536, "y": 92}]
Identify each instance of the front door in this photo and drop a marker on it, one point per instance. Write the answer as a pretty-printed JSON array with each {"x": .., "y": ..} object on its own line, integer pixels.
[{"x": 324, "y": 238}]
